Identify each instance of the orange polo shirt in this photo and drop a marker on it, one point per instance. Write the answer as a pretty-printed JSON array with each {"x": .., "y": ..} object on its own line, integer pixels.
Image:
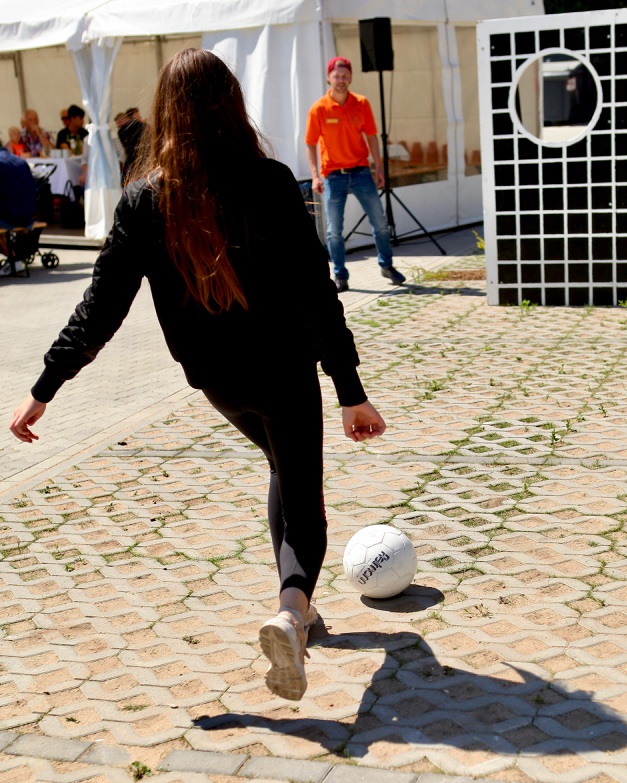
[{"x": 340, "y": 131}]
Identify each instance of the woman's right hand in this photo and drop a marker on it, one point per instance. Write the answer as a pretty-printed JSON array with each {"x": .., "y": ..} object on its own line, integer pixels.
[
  {"x": 25, "y": 415},
  {"x": 362, "y": 422}
]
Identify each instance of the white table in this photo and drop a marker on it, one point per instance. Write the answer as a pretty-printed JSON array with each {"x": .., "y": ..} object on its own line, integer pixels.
[{"x": 67, "y": 169}]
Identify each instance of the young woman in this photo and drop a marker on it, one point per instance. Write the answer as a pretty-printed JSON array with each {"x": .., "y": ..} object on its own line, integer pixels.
[{"x": 243, "y": 294}]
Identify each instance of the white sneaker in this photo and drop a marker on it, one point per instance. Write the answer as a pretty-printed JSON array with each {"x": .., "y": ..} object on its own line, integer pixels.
[
  {"x": 6, "y": 268},
  {"x": 283, "y": 640},
  {"x": 311, "y": 618}
]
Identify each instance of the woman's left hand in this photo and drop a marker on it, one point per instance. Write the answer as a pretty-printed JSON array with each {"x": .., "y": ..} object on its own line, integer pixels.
[
  {"x": 25, "y": 415},
  {"x": 362, "y": 422}
]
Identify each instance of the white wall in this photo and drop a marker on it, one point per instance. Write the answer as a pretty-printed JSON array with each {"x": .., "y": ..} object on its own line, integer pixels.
[
  {"x": 51, "y": 84},
  {"x": 136, "y": 69},
  {"x": 9, "y": 98}
]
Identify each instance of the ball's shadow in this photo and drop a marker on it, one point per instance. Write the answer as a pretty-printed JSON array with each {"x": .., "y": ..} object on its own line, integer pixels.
[{"x": 413, "y": 599}]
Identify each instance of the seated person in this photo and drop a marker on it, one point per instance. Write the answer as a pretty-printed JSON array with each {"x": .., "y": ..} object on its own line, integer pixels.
[
  {"x": 15, "y": 144},
  {"x": 119, "y": 119},
  {"x": 72, "y": 136},
  {"x": 17, "y": 198},
  {"x": 65, "y": 120},
  {"x": 34, "y": 138},
  {"x": 130, "y": 130}
]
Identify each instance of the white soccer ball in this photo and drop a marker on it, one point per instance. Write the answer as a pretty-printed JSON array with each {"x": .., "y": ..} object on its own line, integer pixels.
[{"x": 380, "y": 561}]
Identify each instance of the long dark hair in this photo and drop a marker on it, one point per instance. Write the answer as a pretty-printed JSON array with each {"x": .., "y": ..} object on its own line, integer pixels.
[{"x": 197, "y": 147}]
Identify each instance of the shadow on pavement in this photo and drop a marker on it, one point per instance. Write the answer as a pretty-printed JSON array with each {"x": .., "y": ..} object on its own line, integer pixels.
[
  {"x": 64, "y": 273},
  {"x": 445, "y": 288},
  {"x": 421, "y": 290},
  {"x": 414, "y": 598},
  {"x": 414, "y": 699}
]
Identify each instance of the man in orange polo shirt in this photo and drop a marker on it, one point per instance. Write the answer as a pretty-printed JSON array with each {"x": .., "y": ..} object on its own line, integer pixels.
[{"x": 343, "y": 123}]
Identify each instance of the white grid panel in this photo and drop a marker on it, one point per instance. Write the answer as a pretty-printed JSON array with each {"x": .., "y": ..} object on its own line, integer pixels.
[{"x": 555, "y": 214}]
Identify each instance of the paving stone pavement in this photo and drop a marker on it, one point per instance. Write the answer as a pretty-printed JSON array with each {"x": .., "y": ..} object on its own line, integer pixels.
[{"x": 136, "y": 566}]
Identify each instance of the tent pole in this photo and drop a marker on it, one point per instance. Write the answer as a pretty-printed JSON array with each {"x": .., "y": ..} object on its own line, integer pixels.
[
  {"x": 19, "y": 75},
  {"x": 159, "y": 51}
]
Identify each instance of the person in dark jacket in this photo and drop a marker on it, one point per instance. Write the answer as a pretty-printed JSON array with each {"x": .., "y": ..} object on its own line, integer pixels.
[
  {"x": 223, "y": 266},
  {"x": 17, "y": 202},
  {"x": 130, "y": 130},
  {"x": 17, "y": 192}
]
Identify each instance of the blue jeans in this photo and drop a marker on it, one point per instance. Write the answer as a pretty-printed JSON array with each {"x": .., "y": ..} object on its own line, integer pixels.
[
  {"x": 359, "y": 182},
  {"x": 11, "y": 226}
]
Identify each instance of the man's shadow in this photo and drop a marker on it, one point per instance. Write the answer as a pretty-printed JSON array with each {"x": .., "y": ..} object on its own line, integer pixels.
[
  {"x": 417, "y": 289},
  {"x": 414, "y": 699}
]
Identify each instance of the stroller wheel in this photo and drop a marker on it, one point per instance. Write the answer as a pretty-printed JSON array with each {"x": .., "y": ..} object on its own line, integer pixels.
[{"x": 50, "y": 260}]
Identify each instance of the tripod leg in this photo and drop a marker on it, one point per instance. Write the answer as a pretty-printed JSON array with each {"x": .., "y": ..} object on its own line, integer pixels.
[
  {"x": 354, "y": 228},
  {"x": 419, "y": 224},
  {"x": 387, "y": 190}
]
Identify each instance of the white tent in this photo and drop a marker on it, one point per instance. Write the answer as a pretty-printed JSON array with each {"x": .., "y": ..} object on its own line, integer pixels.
[{"x": 278, "y": 48}]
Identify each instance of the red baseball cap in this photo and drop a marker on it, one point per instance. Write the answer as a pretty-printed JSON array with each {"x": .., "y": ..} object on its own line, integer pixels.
[{"x": 341, "y": 61}]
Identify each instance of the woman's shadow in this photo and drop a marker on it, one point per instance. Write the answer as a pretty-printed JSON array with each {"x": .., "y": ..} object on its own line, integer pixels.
[{"x": 414, "y": 699}]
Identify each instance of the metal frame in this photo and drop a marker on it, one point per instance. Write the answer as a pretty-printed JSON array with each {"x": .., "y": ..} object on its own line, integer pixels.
[{"x": 555, "y": 213}]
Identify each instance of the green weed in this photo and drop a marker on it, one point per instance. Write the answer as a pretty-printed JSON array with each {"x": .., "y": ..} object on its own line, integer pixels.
[
  {"x": 140, "y": 770},
  {"x": 525, "y": 307},
  {"x": 191, "y": 640},
  {"x": 480, "y": 241}
]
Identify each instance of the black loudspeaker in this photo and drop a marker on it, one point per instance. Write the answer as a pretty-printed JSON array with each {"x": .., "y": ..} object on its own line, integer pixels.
[{"x": 375, "y": 36}]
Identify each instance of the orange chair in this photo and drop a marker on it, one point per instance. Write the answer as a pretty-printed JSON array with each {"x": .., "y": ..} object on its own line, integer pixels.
[
  {"x": 416, "y": 154},
  {"x": 432, "y": 154}
]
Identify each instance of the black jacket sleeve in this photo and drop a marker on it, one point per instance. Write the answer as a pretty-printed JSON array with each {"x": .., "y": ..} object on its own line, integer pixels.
[
  {"x": 317, "y": 293},
  {"x": 116, "y": 279}
]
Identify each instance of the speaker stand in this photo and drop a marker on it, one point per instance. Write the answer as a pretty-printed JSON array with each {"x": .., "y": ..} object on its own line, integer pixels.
[{"x": 389, "y": 193}]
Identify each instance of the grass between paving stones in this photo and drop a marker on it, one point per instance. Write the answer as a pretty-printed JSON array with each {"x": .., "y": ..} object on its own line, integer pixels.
[
  {"x": 488, "y": 388},
  {"x": 547, "y": 434},
  {"x": 139, "y": 771},
  {"x": 469, "y": 268}
]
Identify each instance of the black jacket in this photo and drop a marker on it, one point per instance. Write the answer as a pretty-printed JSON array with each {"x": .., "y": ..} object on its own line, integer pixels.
[
  {"x": 17, "y": 190},
  {"x": 294, "y": 316},
  {"x": 130, "y": 135}
]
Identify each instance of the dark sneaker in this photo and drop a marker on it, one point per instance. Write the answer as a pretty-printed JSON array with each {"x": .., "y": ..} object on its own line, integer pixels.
[
  {"x": 341, "y": 284},
  {"x": 393, "y": 275}
]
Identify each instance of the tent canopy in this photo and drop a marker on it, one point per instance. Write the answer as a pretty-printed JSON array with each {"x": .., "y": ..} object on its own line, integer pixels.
[
  {"x": 278, "y": 50},
  {"x": 36, "y": 24},
  {"x": 74, "y": 22}
]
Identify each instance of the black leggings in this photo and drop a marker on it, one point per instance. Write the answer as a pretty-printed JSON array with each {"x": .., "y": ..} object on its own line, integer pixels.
[{"x": 283, "y": 416}]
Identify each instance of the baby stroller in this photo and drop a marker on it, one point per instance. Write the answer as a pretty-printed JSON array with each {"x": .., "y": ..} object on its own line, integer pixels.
[
  {"x": 42, "y": 171},
  {"x": 21, "y": 245}
]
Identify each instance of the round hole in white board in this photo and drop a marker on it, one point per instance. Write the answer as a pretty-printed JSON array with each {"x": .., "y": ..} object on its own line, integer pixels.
[{"x": 555, "y": 97}]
